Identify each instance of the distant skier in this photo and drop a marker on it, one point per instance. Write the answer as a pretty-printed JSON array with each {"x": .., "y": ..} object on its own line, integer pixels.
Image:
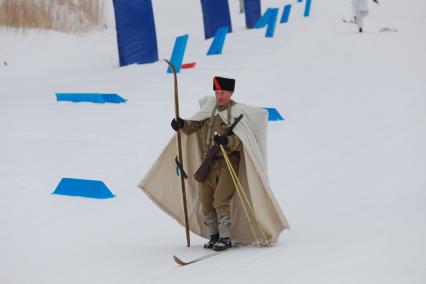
[{"x": 360, "y": 11}]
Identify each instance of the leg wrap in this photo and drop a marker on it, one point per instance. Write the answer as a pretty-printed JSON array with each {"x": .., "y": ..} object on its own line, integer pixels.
[
  {"x": 210, "y": 220},
  {"x": 224, "y": 220}
]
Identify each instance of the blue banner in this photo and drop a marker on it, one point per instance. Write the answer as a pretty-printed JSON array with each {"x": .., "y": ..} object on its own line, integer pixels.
[
  {"x": 252, "y": 9},
  {"x": 215, "y": 15},
  {"x": 136, "y": 37}
]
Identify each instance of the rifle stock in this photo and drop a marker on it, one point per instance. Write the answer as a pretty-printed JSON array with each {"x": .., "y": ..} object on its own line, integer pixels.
[{"x": 203, "y": 171}]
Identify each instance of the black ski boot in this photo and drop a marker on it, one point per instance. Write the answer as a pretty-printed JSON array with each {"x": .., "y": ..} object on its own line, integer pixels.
[
  {"x": 213, "y": 240},
  {"x": 360, "y": 30},
  {"x": 222, "y": 244}
]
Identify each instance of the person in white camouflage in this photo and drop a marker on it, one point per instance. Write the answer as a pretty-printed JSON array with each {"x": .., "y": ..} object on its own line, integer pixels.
[{"x": 360, "y": 10}]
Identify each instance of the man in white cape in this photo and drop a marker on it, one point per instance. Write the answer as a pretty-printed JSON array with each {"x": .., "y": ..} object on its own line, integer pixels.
[{"x": 214, "y": 211}]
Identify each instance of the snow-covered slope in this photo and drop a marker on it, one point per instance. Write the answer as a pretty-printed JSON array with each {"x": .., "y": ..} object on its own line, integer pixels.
[{"x": 347, "y": 165}]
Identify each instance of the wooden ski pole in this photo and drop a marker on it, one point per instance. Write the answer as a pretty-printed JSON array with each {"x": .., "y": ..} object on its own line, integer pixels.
[{"x": 179, "y": 145}]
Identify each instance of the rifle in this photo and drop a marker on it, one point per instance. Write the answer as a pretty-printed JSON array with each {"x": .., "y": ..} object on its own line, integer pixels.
[{"x": 203, "y": 171}]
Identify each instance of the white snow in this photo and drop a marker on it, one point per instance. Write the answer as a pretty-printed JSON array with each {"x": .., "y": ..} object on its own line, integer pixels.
[{"x": 348, "y": 164}]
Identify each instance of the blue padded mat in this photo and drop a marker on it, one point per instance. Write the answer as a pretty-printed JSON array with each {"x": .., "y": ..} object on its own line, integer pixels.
[
  {"x": 83, "y": 188},
  {"x": 90, "y": 97}
]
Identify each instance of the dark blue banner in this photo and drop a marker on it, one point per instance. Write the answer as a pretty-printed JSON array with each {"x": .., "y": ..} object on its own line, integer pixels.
[
  {"x": 137, "y": 41},
  {"x": 252, "y": 10},
  {"x": 215, "y": 15}
]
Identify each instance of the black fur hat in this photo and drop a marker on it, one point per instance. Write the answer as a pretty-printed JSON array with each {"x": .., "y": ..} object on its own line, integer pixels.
[{"x": 225, "y": 84}]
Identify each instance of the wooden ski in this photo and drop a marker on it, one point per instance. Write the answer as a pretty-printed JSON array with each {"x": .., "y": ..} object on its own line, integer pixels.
[
  {"x": 183, "y": 262},
  {"x": 179, "y": 145},
  {"x": 180, "y": 261}
]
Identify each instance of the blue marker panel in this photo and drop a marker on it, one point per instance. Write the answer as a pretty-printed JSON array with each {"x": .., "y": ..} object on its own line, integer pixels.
[
  {"x": 83, "y": 188},
  {"x": 269, "y": 19},
  {"x": 178, "y": 53},
  {"x": 252, "y": 10},
  {"x": 136, "y": 37},
  {"x": 264, "y": 20},
  {"x": 89, "y": 97},
  {"x": 270, "y": 30},
  {"x": 307, "y": 8},
  {"x": 219, "y": 40},
  {"x": 215, "y": 15},
  {"x": 273, "y": 114},
  {"x": 286, "y": 14}
]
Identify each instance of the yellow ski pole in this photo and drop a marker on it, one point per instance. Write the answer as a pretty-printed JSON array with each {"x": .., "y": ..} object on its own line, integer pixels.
[
  {"x": 240, "y": 188},
  {"x": 228, "y": 163}
]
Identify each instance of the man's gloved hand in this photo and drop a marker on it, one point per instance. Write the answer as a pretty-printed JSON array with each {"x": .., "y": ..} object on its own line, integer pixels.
[
  {"x": 177, "y": 124},
  {"x": 221, "y": 140},
  {"x": 376, "y": 1}
]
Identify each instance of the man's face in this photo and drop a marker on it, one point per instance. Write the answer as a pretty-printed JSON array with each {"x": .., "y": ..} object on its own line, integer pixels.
[{"x": 223, "y": 97}]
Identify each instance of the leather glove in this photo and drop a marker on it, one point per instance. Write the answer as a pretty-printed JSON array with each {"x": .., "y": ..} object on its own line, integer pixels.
[
  {"x": 177, "y": 124},
  {"x": 221, "y": 140}
]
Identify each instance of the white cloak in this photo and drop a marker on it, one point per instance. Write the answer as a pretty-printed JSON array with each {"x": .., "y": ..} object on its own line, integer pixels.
[{"x": 162, "y": 184}]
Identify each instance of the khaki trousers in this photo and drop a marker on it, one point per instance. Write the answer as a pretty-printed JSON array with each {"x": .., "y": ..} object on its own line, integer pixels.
[
  {"x": 218, "y": 189},
  {"x": 216, "y": 194}
]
